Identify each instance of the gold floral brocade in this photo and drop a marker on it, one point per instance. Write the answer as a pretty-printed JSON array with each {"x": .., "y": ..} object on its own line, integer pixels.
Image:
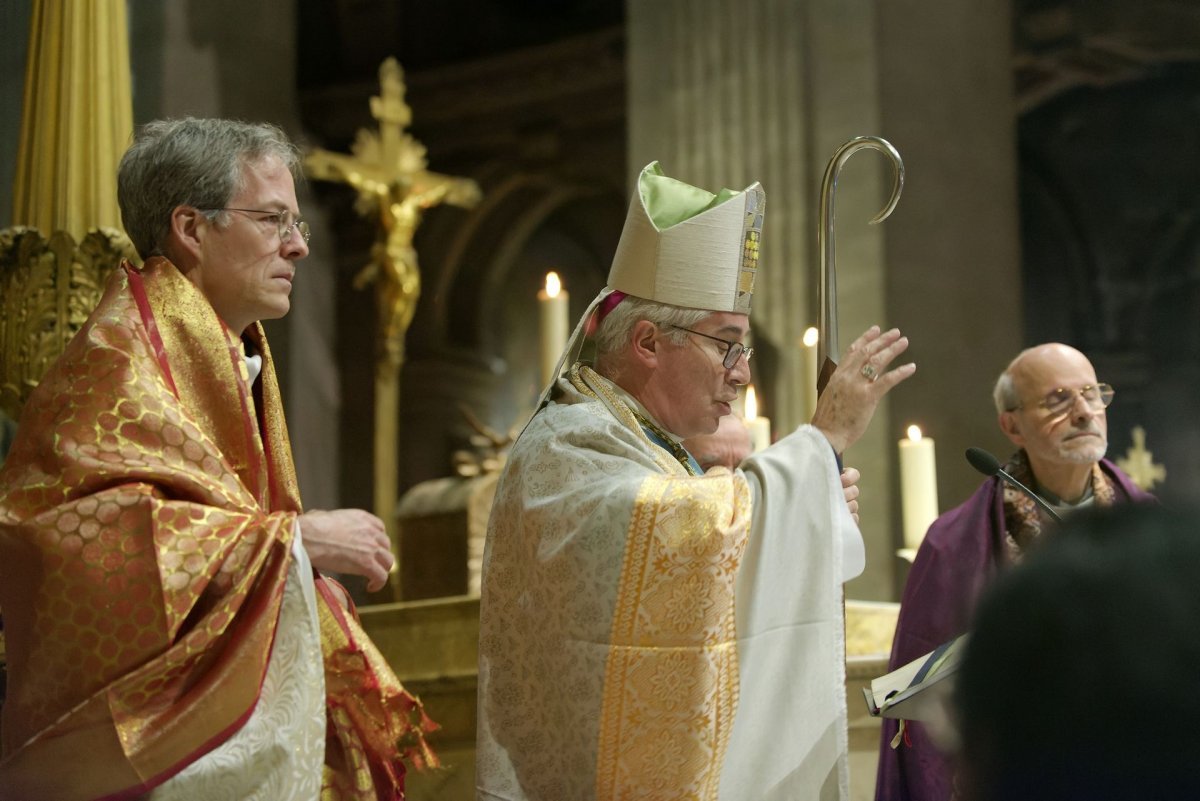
[{"x": 671, "y": 679}]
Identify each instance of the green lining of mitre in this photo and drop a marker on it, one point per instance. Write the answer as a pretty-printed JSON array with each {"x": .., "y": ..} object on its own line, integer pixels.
[{"x": 669, "y": 201}]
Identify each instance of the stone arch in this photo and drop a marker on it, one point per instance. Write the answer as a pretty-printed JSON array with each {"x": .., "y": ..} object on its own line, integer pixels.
[{"x": 474, "y": 338}]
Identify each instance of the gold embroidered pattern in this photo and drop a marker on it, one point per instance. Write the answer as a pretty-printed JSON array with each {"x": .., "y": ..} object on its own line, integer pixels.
[
  {"x": 756, "y": 202},
  {"x": 671, "y": 679}
]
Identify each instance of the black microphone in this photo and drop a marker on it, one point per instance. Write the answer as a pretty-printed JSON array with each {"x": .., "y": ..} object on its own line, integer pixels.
[{"x": 989, "y": 465}]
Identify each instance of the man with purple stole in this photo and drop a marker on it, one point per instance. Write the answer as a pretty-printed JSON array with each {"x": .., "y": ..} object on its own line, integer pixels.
[{"x": 1051, "y": 406}]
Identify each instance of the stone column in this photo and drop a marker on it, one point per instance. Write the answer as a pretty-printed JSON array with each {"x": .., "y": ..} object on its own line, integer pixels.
[{"x": 953, "y": 256}]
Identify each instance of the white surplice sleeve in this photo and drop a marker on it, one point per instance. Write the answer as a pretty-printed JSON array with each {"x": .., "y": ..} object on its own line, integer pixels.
[{"x": 798, "y": 471}]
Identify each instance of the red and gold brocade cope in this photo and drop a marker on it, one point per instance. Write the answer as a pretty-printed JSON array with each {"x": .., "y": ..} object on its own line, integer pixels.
[{"x": 148, "y": 509}]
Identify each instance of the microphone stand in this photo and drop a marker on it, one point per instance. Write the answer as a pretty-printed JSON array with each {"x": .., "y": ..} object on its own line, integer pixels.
[
  {"x": 1036, "y": 498},
  {"x": 989, "y": 465}
]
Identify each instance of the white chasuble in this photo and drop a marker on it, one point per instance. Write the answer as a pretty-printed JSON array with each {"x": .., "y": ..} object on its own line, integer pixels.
[{"x": 647, "y": 634}]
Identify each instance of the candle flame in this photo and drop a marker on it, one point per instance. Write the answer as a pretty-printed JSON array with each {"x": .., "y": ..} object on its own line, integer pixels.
[
  {"x": 553, "y": 284},
  {"x": 914, "y": 433},
  {"x": 751, "y": 403},
  {"x": 810, "y": 337}
]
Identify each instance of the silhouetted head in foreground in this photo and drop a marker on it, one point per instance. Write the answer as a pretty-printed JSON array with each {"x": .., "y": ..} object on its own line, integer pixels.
[{"x": 1079, "y": 680}]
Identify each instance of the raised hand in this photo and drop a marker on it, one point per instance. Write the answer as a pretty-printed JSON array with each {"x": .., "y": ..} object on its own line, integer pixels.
[{"x": 857, "y": 385}]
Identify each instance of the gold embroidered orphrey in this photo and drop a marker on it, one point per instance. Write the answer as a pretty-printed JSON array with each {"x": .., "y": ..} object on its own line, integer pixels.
[{"x": 677, "y": 587}]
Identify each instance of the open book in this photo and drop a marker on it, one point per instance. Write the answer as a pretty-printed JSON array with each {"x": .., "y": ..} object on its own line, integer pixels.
[{"x": 918, "y": 690}]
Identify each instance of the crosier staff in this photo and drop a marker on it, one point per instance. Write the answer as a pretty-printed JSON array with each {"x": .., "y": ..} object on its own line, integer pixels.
[{"x": 827, "y": 344}]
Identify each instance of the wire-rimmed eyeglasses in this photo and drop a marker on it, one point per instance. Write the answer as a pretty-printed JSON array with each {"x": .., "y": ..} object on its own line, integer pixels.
[
  {"x": 733, "y": 350},
  {"x": 1056, "y": 401},
  {"x": 286, "y": 221}
]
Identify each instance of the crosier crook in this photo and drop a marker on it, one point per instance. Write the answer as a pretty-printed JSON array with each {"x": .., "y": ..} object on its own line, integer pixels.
[{"x": 827, "y": 344}]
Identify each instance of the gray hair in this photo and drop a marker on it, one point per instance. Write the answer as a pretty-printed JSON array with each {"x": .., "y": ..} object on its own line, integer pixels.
[
  {"x": 614, "y": 331},
  {"x": 190, "y": 162},
  {"x": 1004, "y": 394}
]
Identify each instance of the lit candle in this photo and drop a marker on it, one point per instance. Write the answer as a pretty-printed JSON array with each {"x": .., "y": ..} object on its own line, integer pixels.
[
  {"x": 760, "y": 427},
  {"x": 918, "y": 486},
  {"x": 808, "y": 371},
  {"x": 552, "y": 317}
]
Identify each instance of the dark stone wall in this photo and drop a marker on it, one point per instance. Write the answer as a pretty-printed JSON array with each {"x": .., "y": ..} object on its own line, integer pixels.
[{"x": 1110, "y": 232}]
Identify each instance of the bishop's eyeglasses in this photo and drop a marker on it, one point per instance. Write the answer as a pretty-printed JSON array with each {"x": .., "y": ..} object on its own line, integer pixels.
[
  {"x": 285, "y": 220},
  {"x": 733, "y": 350},
  {"x": 1060, "y": 400}
]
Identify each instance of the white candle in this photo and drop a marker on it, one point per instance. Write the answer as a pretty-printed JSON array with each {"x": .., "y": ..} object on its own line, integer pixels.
[
  {"x": 918, "y": 486},
  {"x": 808, "y": 372},
  {"x": 552, "y": 325},
  {"x": 760, "y": 427}
]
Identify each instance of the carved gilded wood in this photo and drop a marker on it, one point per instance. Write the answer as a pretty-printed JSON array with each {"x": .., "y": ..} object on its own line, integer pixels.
[{"x": 48, "y": 287}]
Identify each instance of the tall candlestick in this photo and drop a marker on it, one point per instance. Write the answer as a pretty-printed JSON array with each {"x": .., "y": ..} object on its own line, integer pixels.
[
  {"x": 808, "y": 373},
  {"x": 552, "y": 325},
  {"x": 918, "y": 486},
  {"x": 760, "y": 427}
]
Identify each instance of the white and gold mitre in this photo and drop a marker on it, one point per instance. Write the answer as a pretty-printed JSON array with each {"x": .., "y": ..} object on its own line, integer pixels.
[{"x": 688, "y": 247}]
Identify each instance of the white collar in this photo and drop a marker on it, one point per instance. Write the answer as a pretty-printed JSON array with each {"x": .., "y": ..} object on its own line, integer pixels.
[{"x": 253, "y": 362}]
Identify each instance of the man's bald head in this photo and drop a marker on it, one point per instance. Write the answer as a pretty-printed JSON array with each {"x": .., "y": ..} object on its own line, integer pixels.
[
  {"x": 1022, "y": 372},
  {"x": 1048, "y": 403}
]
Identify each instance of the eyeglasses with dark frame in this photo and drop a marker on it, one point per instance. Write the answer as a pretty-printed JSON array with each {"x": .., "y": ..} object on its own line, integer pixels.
[
  {"x": 283, "y": 219},
  {"x": 1097, "y": 396},
  {"x": 733, "y": 350}
]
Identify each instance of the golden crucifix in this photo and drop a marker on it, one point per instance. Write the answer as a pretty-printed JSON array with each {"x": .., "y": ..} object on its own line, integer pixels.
[{"x": 388, "y": 171}]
